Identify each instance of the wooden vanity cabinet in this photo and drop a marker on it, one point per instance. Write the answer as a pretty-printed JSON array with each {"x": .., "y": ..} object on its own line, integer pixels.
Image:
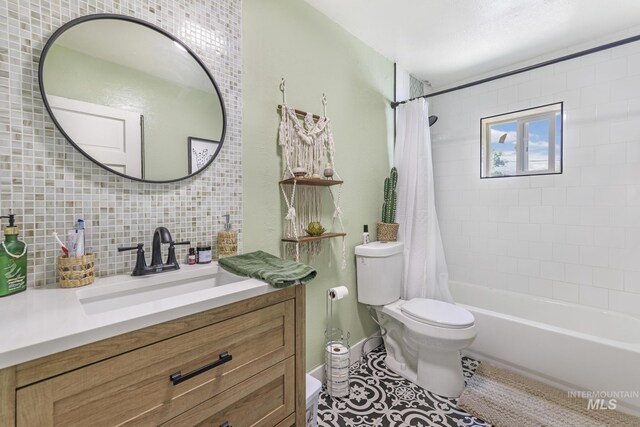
[{"x": 241, "y": 364}]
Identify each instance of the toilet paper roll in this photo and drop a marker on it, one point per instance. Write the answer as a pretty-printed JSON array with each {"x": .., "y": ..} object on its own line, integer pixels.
[
  {"x": 339, "y": 377},
  {"x": 337, "y": 385},
  {"x": 337, "y": 356},
  {"x": 331, "y": 368},
  {"x": 338, "y": 391},
  {"x": 338, "y": 292},
  {"x": 337, "y": 367},
  {"x": 336, "y": 370},
  {"x": 338, "y": 364},
  {"x": 337, "y": 349}
]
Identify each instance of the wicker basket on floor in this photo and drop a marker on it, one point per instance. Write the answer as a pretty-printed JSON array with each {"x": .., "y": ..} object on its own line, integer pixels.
[
  {"x": 388, "y": 232},
  {"x": 75, "y": 271}
]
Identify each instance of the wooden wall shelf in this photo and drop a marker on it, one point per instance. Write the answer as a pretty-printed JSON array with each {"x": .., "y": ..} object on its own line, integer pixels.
[
  {"x": 318, "y": 182},
  {"x": 312, "y": 238}
]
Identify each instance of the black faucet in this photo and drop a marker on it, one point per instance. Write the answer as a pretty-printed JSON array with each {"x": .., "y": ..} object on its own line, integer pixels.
[{"x": 161, "y": 235}]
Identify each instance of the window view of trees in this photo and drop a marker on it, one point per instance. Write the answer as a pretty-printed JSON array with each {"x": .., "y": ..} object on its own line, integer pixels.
[{"x": 525, "y": 142}]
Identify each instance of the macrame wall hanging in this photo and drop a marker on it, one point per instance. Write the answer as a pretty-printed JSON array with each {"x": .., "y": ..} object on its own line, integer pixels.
[{"x": 308, "y": 168}]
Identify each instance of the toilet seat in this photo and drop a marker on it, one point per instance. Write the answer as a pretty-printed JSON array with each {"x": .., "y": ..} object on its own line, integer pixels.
[{"x": 437, "y": 313}]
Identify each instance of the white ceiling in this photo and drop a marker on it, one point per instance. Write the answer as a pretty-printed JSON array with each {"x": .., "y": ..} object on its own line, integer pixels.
[{"x": 445, "y": 41}]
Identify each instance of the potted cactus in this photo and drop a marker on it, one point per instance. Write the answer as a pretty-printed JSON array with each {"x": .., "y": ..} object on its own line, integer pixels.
[{"x": 388, "y": 228}]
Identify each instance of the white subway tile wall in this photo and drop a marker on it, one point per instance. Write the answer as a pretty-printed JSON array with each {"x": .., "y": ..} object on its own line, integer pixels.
[
  {"x": 49, "y": 184},
  {"x": 573, "y": 237}
]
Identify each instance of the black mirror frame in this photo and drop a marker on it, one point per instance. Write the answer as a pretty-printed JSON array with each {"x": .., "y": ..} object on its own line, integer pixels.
[{"x": 98, "y": 16}]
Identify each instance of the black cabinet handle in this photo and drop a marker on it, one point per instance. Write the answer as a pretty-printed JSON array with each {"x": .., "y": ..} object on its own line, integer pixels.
[
  {"x": 177, "y": 378},
  {"x": 225, "y": 424}
]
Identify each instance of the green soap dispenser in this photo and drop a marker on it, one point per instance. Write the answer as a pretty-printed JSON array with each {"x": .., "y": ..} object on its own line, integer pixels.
[{"x": 13, "y": 261}]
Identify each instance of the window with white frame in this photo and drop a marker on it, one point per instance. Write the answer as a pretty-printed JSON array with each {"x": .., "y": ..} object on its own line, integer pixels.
[{"x": 526, "y": 142}]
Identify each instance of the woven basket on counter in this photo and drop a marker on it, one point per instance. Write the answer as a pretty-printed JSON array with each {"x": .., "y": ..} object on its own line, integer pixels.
[
  {"x": 388, "y": 232},
  {"x": 75, "y": 271}
]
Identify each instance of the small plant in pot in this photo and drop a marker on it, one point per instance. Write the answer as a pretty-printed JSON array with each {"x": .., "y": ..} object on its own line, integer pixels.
[{"x": 388, "y": 228}]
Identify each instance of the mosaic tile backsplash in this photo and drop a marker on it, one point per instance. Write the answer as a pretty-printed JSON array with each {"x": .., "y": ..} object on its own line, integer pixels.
[{"x": 49, "y": 185}]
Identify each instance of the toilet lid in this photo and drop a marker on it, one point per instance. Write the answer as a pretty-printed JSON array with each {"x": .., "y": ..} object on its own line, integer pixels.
[{"x": 437, "y": 313}]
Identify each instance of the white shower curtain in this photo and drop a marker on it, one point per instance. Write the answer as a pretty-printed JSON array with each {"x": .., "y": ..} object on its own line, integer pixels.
[{"x": 425, "y": 266}]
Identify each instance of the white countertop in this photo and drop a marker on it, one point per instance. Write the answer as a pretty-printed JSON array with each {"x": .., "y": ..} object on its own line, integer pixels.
[{"x": 40, "y": 322}]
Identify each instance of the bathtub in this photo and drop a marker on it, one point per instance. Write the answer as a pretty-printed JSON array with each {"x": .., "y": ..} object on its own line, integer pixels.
[{"x": 572, "y": 347}]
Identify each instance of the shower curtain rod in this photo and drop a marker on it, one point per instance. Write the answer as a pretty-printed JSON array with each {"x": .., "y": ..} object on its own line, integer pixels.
[{"x": 394, "y": 104}]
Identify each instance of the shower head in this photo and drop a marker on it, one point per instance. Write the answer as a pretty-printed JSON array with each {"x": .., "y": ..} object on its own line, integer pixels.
[{"x": 432, "y": 120}]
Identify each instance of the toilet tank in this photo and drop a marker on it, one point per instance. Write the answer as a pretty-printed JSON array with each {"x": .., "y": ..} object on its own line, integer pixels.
[{"x": 379, "y": 272}]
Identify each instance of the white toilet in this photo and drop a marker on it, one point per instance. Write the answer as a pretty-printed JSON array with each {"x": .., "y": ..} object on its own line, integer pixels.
[{"x": 424, "y": 336}]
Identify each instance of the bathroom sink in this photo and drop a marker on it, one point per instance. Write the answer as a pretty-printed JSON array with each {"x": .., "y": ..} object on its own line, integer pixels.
[{"x": 131, "y": 291}]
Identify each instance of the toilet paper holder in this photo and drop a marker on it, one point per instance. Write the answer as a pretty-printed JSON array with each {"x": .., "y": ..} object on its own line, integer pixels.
[
  {"x": 337, "y": 363},
  {"x": 337, "y": 349}
]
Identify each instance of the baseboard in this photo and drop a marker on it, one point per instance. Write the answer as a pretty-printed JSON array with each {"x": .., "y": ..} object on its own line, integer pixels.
[{"x": 356, "y": 352}]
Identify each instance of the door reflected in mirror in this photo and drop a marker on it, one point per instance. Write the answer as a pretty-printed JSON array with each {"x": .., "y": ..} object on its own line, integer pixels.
[{"x": 131, "y": 97}]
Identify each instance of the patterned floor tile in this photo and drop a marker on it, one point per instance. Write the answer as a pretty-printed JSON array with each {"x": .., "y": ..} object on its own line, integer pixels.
[{"x": 381, "y": 398}]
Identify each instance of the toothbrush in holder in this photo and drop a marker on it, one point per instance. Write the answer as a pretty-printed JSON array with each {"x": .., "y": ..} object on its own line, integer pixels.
[{"x": 62, "y": 245}]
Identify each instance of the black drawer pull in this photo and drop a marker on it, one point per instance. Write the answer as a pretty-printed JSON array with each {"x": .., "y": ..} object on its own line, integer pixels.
[
  {"x": 225, "y": 424},
  {"x": 177, "y": 378}
]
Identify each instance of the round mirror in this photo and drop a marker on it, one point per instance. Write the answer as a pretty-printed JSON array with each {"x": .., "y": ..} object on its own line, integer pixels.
[{"x": 132, "y": 98}]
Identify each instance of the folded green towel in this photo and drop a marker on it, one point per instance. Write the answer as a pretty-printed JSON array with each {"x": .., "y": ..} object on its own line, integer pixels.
[{"x": 278, "y": 272}]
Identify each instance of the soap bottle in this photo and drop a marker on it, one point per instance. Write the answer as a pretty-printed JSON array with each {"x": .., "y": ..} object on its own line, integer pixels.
[
  {"x": 191, "y": 258},
  {"x": 13, "y": 260},
  {"x": 227, "y": 240}
]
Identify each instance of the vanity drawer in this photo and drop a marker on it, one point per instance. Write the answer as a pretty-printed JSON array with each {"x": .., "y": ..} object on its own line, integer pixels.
[
  {"x": 135, "y": 388},
  {"x": 264, "y": 400}
]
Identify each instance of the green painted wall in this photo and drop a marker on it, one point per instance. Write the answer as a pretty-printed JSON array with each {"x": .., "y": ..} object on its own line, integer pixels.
[
  {"x": 172, "y": 112},
  {"x": 290, "y": 39}
]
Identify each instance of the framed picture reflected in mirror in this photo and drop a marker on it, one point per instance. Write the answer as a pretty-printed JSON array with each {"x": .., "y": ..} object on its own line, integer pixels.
[{"x": 201, "y": 151}]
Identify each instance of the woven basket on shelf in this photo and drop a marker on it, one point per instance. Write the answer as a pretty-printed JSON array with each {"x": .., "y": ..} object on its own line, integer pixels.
[
  {"x": 75, "y": 271},
  {"x": 388, "y": 232}
]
